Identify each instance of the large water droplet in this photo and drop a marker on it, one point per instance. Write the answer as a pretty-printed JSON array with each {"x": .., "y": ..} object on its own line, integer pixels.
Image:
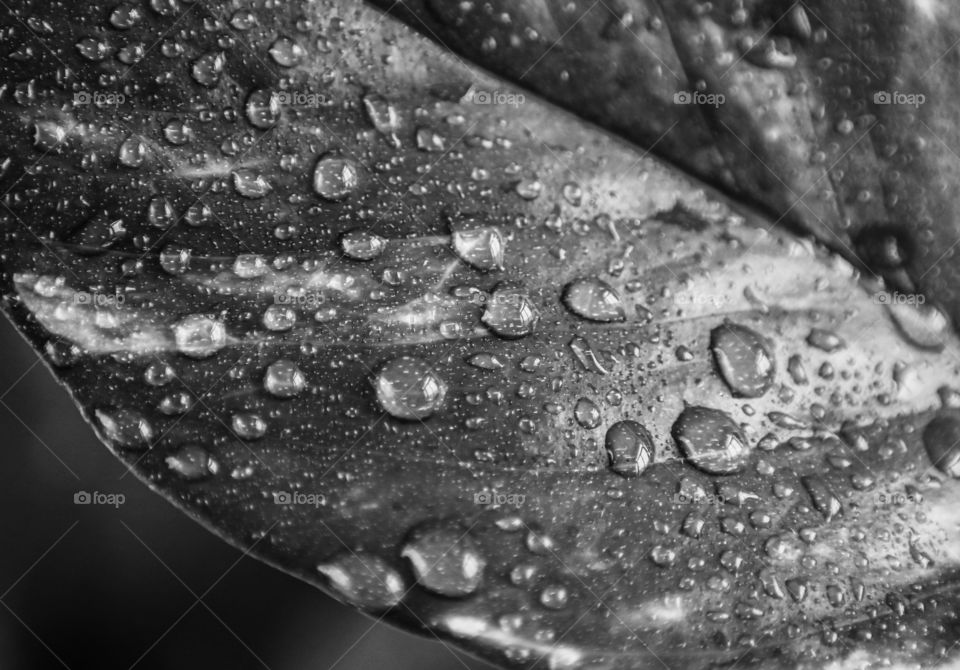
[
  {"x": 408, "y": 388},
  {"x": 630, "y": 448},
  {"x": 823, "y": 498},
  {"x": 125, "y": 428},
  {"x": 510, "y": 313},
  {"x": 193, "y": 462},
  {"x": 587, "y": 413},
  {"x": 335, "y": 178},
  {"x": 480, "y": 247},
  {"x": 941, "y": 437},
  {"x": 444, "y": 559},
  {"x": 362, "y": 245},
  {"x": 284, "y": 379},
  {"x": 594, "y": 299},
  {"x": 207, "y": 69},
  {"x": 251, "y": 184},
  {"x": 711, "y": 440},
  {"x": 286, "y": 53},
  {"x": 924, "y": 326},
  {"x": 248, "y": 426},
  {"x": 743, "y": 358},
  {"x": 199, "y": 336},
  {"x": 825, "y": 340},
  {"x": 364, "y": 580},
  {"x": 263, "y": 109}
]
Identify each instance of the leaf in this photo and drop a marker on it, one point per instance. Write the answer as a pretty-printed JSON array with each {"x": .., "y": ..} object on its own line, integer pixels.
[
  {"x": 481, "y": 369},
  {"x": 835, "y": 117}
]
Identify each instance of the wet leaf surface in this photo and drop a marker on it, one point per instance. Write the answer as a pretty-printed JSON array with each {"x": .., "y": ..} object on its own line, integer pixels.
[{"x": 484, "y": 370}]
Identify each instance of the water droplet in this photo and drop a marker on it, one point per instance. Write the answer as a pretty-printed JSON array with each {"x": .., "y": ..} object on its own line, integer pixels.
[
  {"x": 125, "y": 17},
  {"x": 408, "y": 388},
  {"x": 797, "y": 588},
  {"x": 509, "y": 312},
  {"x": 48, "y": 136},
  {"x": 554, "y": 597},
  {"x": 132, "y": 153},
  {"x": 364, "y": 580},
  {"x": 941, "y": 437},
  {"x": 125, "y": 428},
  {"x": 630, "y": 448},
  {"x": 263, "y": 108},
  {"x": 710, "y": 440},
  {"x": 335, "y": 178},
  {"x": 192, "y": 462},
  {"x": 284, "y": 379},
  {"x": 587, "y": 413},
  {"x": 924, "y": 326},
  {"x": 480, "y": 247},
  {"x": 362, "y": 245},
  {"x": 248, "y": 426},
  {"x": 199, "y": 336},
  {"x": 823, "y": 498},
  {"x": 743, "y": 358},
  {"x": 383, "y": 116},
  {"x": 529, "y": 189},
  {"x": 279, "y": 318},
  {"x": 594, "y": 299},
  {"x": 93, "y": 49},
  {"x": 251, "y": 184},
  {"x": 825, "y": 340},
  {"x": 486, "y": 361},
  {"x": 243, "y": 19},
  {"x": 207, "y": 69},
  {"x": 444, "y": 559},
  {"x": 178, "y": 132},
  {"x": 160, "y": 212},
  {"x": 286, "y": 53}
]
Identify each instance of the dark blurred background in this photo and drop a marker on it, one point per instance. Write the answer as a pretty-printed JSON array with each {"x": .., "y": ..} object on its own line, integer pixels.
[{"x": 93, "y": 586}]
